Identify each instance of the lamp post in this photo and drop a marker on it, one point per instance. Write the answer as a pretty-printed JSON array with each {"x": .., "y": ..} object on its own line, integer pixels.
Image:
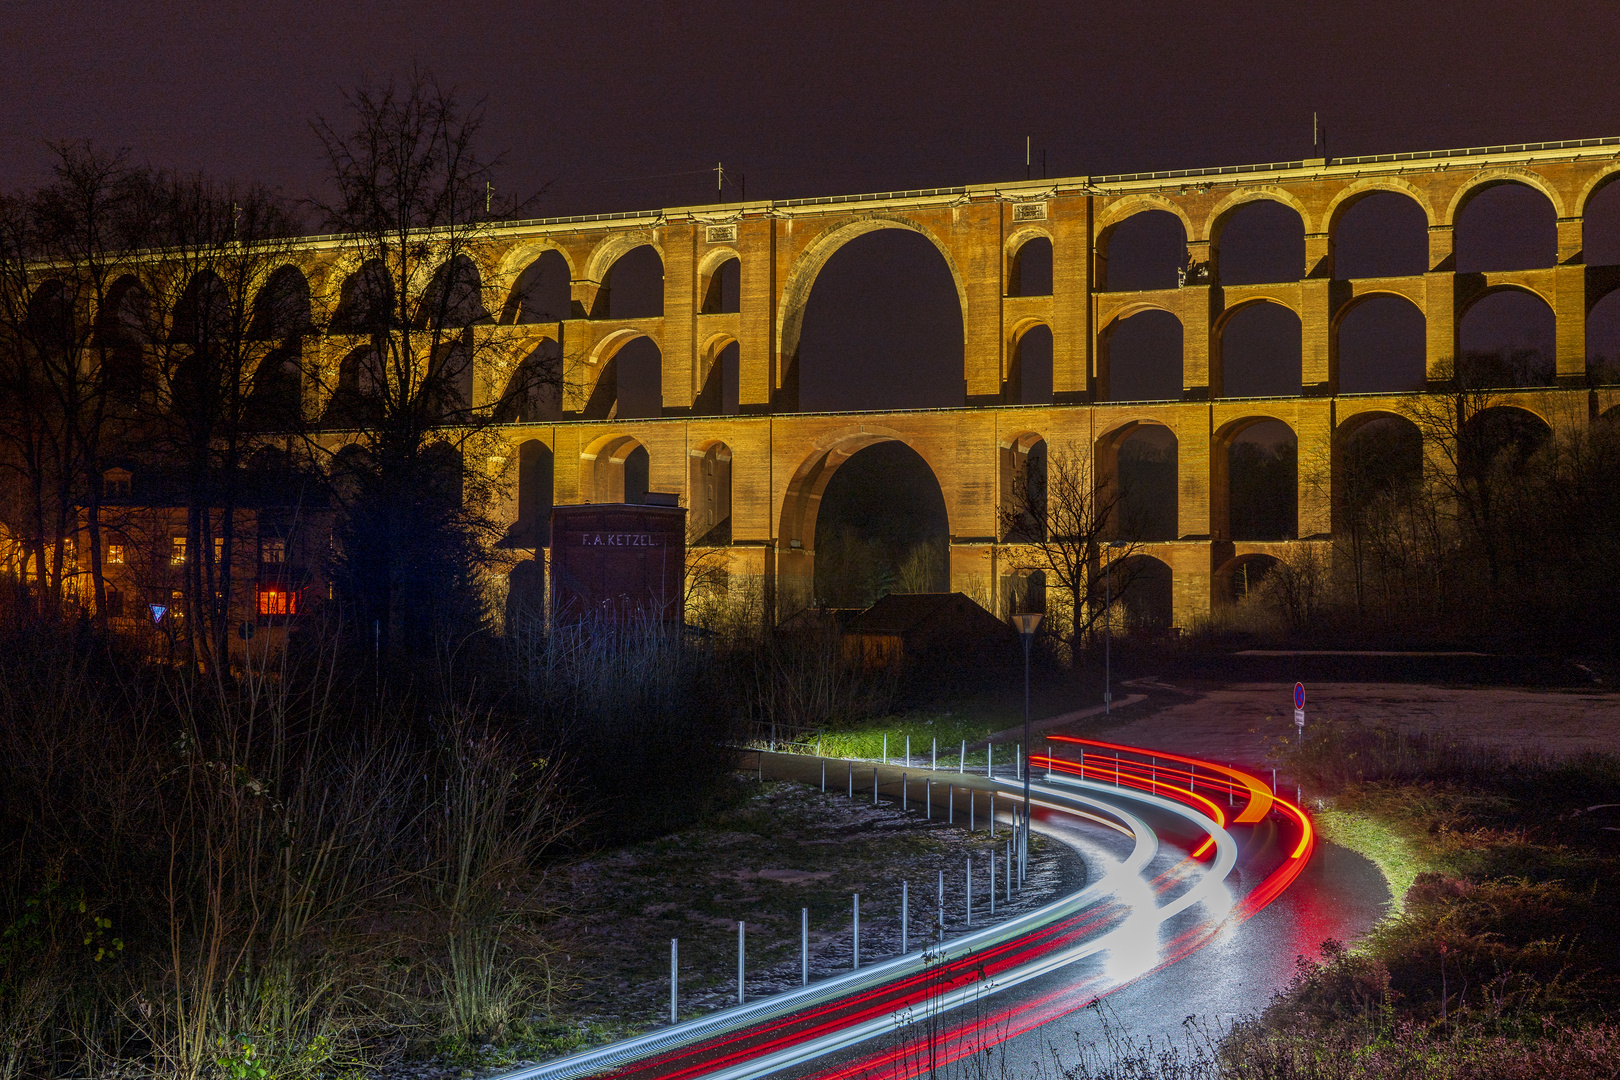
[{"x": 1026, "y": 629}]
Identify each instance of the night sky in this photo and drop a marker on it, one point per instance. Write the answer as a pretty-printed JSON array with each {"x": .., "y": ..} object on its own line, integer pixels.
[{"x": 611, "y": 106}]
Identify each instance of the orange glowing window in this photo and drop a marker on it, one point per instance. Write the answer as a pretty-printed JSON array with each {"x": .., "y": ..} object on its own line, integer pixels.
[
  {"x": 115, "y": 553},
  {"x": 277, "y": 601}
]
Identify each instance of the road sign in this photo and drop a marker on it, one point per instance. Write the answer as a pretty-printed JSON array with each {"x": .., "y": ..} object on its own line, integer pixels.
[
  {"x": 1299, "y": 718},
  {"x": 1299, "y": 696}
]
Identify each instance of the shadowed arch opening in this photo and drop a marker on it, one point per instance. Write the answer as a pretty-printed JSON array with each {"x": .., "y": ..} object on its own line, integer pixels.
[
  {"x": 534, "y": 392},
  {"x": 1507, "y": 338},
  {"x": 1603, "y": 341},
  {"x": 273, "y": 396},
  {"x": 880, "y": 528},
  {"x": 718, "y": 394},
  {"x": 1031, "y": 271},
  {"x": 708, "y": 521},
  {"x": 202, "y": 316},
  {"x": 123, "y": 330},
  {"x": 1240, "y": 579},
  {"x": 633, "y": 287},
  {"x": 454, "y": 298},
  {"x": 1029, "y": 375},
  {"x": 535, "y": 495},
  {"x": 282, "y": 307},
  {"x": 1375, "y": 455},
  {"x": 615, "y": 469},
  {"x": 1144, "y": 251},
  {"x": 542, "y": 292},
  {"x": 1261, "y": 354},
  {"x": 1382, "y": 346},
  {"x": 631, "y": 383},
  {"x": 365, "y": 302},
  {"x": 882, "y": 328},
  {"x": 1600, "y": 224},
  {"x": 1023, "y": 489},
  {"x": 1500, "y": 438},
  {"x": 49, "y": 321},
  {"x": 1140, "y": 358},
  {"x": 722, "y": 289},
  {"x": 1259, "y": 243},
  {"x": 1142, "y": 460},
  {"x": 1381, "y": 234},
  {"x": 356, "y": 399},
  {"x": 1260, "y": 461},
  {"x": 1506, "y": 226},
  {"x": 1147, "y": 600}
]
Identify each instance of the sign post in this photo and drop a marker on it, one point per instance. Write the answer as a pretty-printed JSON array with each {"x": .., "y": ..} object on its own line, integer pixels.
[{"x": 1299, "y": 713}]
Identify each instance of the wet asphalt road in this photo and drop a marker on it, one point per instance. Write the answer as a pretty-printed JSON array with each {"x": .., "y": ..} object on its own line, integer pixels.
[{"x": 1213, "y": 979}]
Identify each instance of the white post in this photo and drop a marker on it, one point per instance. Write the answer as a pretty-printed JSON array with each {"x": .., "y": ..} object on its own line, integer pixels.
[
  {"x": 1010, "y": 871},
  {"x": 852, "y": 779},
  {"x": 905, "y": 917},
  {"x": 961, "y": 759},
  {"x": 992, "y": 881},
  {"x": 928, "y": 800},
  {"x": 992, "y": 815},
  {"x": 1049, "y": 760},
  {"x": 904, "y": 807},
  {"x": 942, "y": 905},
  {"x": 908, "y": 751},
  {"x": 885, "y": 748},
  {"x": 989, "y": 757},
  {"x": 933, "y": 762},
  {"x": 969, "y": 876},
  {"x": 857, "y": 950},
  {"x": 1018, "y": 761},
  {"x": 823, "y": 772},
  {"x": 950, "y": 792},
  {"x": 804, "y": 945},
  {"x": 739, "y": 962},
  {"x": 973, "y": 807},
  {"x": 874, "y": 787},
  {"x": 674, "y": 971}
]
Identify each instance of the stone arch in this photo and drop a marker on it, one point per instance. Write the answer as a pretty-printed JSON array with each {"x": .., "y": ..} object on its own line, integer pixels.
[
  {"x": 123, "y": 328},
  {"x": 282, "y": 305},
  {"x": 708, "y": 499},
  {"x": 1358, "y": 476},
  {"x": 601, "y": 373},
  {"x": 1145, "y": 593},
  {"x": 1602, "y": 179},
  {"x": 1529, "y": 362},
  {"x": 1220, "y": 485},
  {"x": 1108, "y": 386},
  {"x": 519, "y": 256},
  {"x": 710, "y": 392},
  {"x": 365, "y": 300},
  {"x": 1015, "y": 250},
  {"x": 536, "y": 494},
  {"x": 1021, "y": 384},
  {"x": 521, "y": 305},
  {"x": 614, "y": 468},
  {"x": 534, "y": 393},
  {"x": 275, "y": 393},
  {"x": 1130, "y": 206},
  {"x": 1489, "y": 178},
  {"x": 361, "y": 379},
  {"x": 1023, "y": 487},
  {"x": 711, "y": 274},
  {"x": 1215, "y": 221},
  {"x": 1105, "y": 265},
  {"x": 1239, "y": 577},
  {"x": 1149, "y": 506},
  {"x": 605, "y": 272},
  {"x": 801, "y": 276},
  {"x": 454, "y": 297},
  {"x": 797, "y": 527},
  {"x": 617, "y": 245},
  {"x": 1357, "y": 380},
  {"x": 1288, "y": 382},
  {"x": 1354, "y": 192}
]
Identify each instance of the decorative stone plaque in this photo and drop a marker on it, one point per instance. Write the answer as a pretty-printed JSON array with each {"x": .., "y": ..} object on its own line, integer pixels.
[
  {"x": 727, "y": 234},
  {"x": 1029, "y": 211}
]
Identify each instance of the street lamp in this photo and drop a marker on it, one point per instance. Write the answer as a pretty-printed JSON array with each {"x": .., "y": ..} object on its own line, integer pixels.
[
  {"x": 1108, "y": 627},
  {"x": 1026, "y": 624}
]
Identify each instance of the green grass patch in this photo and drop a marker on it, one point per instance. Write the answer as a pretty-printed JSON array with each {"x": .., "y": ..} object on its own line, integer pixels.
[
  {"x": 867, "y": 741},
  {"x": 1387, "y": 849}
]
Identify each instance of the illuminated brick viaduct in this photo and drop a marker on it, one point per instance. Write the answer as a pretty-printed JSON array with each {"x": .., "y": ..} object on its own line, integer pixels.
[{"x": 781, "y": 459}]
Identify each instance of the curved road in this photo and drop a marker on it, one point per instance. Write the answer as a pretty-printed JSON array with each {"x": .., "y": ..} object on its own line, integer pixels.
[{"x": 1204, "y": 890}]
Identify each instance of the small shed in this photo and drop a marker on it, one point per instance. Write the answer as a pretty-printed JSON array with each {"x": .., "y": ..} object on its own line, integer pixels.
[
  {"x": 617, "y": 561},
  {"x": 919, "y": 627}
]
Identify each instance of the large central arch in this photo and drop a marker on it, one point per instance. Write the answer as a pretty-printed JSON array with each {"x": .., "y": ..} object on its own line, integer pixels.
[
  {"x": 801, "y": 504},
  {"x": 801, "y": 279}
]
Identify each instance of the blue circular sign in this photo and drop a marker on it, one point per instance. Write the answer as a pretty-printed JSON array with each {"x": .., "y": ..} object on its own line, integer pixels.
[{"x": 1299, "y": 695}]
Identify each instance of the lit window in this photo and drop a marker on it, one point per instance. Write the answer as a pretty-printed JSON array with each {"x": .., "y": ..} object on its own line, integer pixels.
[
  {"x": 277, "y": 601},
  {"x": 177, "y": 602},
  {"x": 115, "y": 553},
  {"x": 272, "y": 550},
  {"x": 178, "y": 555},
  {"x": 219, "y": 549}
]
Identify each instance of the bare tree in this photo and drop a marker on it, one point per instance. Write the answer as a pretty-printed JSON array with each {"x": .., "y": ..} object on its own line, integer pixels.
[
  {"x": 1063, "y": 525},
  {"x": 411, "y": 201}
]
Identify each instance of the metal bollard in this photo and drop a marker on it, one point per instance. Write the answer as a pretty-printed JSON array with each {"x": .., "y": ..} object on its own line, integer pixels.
[
  {"x": 969, "y": 890},
  {"x": 904, "y": 808},
  {"x": 874, "y": 787},
  {"x": 992, "y": 815},
  {"x": 1049, "y": 760},
  {"x": 824, "y": 777},
  {"x": 961, "y": 759},
  {"x": 989, "y": 758},
  {"x": 857, "y": 950},
  {"x": 885, "y": 748},
  {"x": 973, "y": 805},
  {"x": 992, "y": 882},
  {"x": 739, "y": 962},
  {"x": 852, "y": 779},
  {"x": 905, "y": 916},
  {"x": 933, "y": 762},
  {"x": 950, "y": 791},
  {"x": 1009, "y": 871},
  {"x": 908, "y": 751},
  {"x": 1018, "y": 761},
  {"x": 928, "y": 800},
  {"x": 942, "y": 905},
  {"x": 674, "y": 971},
  {"x": 804, "y": 945}
]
